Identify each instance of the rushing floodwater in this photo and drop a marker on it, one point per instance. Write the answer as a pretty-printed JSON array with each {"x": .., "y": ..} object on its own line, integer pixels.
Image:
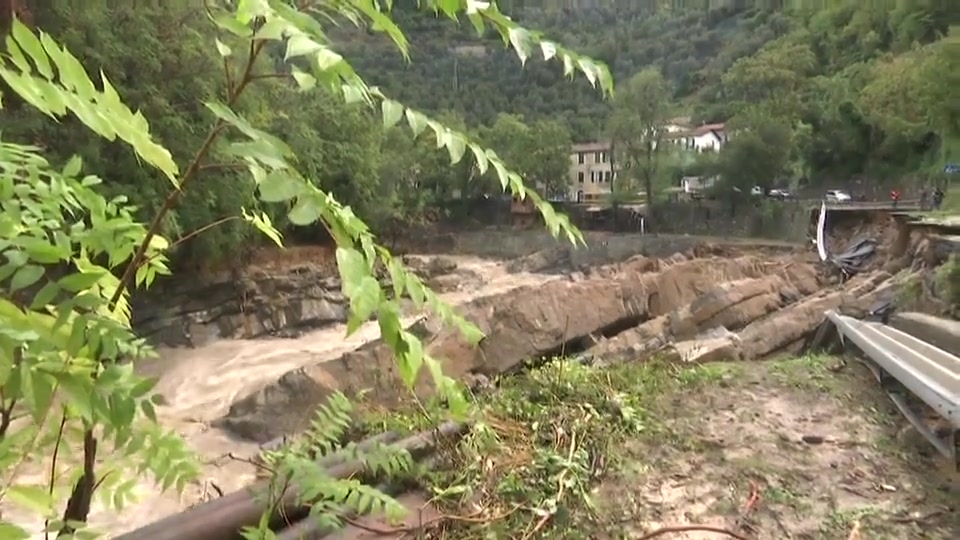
[{"x": 200, "y": 385}]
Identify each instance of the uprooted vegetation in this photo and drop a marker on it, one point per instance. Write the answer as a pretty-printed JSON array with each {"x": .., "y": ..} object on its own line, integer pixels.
[{"x": 797, "y": 448}]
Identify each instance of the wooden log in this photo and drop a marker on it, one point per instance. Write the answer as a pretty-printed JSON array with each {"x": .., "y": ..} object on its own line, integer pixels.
[{"x": 222, "y": 519}]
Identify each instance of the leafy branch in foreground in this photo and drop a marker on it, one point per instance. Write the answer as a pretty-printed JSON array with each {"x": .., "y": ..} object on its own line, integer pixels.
[
  {"x": 80, "y": 325},
  {"x": 327, "y": 496}
]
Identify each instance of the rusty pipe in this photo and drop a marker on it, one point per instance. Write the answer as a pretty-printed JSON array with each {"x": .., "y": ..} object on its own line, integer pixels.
[
  {"x": 222, "y": 519},
  {"x": 310, "y": 529}
]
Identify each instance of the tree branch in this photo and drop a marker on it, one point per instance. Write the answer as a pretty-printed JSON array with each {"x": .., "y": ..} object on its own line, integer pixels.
[{"x": 78, "y": 506}]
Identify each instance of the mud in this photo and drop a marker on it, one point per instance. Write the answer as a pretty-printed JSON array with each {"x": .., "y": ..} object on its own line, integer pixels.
[{"x": 805, "y": 448}]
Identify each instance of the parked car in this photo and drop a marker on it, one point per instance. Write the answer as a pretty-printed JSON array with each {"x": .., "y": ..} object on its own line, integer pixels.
[
  {"x": 780, "y": 194},
  {"x": 757, "y": 191},
  {"x": 838, "y": 196}
]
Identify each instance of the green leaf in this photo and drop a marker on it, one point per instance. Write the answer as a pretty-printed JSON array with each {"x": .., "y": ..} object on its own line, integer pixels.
[
  {"x": 412, "y": 360},
  {"x": 520, "y": 39},
  {"x": 33, "y": 498},
  {"x": 392, "y": 113},
  {"x": 73, "y": 167},
  {"x": 305, "y": 212},
  {"x": 365, "y": 298},
  {"x": 9, "y": 531},
  {"x": 456, "y": 146},
  {"x": 398, "y": 277},
  {"x": 223, "y": 49},
  {"x": 416, "y": 121},
  {"x": 279, "y": 186},
  {"x": 304, "y": 80},
  {"x": 352, "y": 267},
  {"x": 301, "y": 45},
  {"x": 80, "y": 281},
  {"x": 45, "y": 295},
  {"x": 25, "y": 277},
  {"x": 264, "y": 225},
  {"x": 31, "y": 45}
]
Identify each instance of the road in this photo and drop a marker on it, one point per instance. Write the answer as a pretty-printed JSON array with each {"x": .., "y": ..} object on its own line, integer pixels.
[
  {"x": 929, "y": 373},
  {"x": 906, "y": 205}
]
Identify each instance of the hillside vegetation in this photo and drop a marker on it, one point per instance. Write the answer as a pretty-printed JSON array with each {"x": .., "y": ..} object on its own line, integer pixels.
[{"x": 861, "y": 88}]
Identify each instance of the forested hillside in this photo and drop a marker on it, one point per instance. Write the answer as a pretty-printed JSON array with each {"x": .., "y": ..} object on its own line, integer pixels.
[
  {"x": 842, "y": 75},
  {"x": 480, "y": 78},
  {"x": 859, "y": 88}
]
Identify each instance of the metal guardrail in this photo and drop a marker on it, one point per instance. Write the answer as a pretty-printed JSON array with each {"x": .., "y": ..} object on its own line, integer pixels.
[
  {"x": 904, "y": 205},
  {"x": 929, "y": 373}
]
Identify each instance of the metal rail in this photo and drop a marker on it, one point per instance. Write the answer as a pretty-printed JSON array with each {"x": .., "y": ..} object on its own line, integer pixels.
[{"x": 929, "y": 373}]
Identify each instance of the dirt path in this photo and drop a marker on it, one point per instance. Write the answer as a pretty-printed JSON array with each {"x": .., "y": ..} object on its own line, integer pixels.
[{"x": 818, "y": 452}]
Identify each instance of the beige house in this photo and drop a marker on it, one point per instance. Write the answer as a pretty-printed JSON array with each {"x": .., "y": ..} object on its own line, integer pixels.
[{"x": 591, "y": 171}]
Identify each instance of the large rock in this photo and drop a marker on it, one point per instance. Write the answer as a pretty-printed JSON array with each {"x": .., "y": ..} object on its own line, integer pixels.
[
  {"x": 193, "y": 313},
  {"x": 753, "y": 292},
  {"x": 557, "y": 258},
  {"x": 793, "y": 324},
  {"x": 521, "y": 324}
]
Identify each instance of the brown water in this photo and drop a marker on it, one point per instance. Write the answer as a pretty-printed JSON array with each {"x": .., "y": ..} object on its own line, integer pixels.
[{"x": 200, "y": 384}]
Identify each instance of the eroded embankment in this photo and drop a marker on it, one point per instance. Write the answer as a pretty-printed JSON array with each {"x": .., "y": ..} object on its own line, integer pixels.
[
  {"x": 708, "y": 302},
  {"x": 741, "y": 307}
]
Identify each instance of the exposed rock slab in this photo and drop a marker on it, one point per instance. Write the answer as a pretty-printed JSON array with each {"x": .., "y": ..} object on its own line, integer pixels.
[
  {"x": 792, "y": 324},
  {"x": 523, "y": 323}
]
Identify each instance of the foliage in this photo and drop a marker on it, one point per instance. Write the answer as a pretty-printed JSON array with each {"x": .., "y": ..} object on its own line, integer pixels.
[
  {"x": 813, "y": 63},
  {"x": 479, "y": 80},
  {"x": 539, "y": 151},
  {"x": 758, "y": 151},
  {"x": 544, "y": 441},
  {"x": 294, "y": 468},
  {"x": 637, "y": 126},
  {"x": 68, "y": 356}
]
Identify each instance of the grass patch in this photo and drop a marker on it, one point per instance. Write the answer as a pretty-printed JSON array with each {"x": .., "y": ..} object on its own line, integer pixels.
[
  {"x": 543, "y": 441},
  {"x": 573, "y": 452},
  {"x": 812, "y": 372}
]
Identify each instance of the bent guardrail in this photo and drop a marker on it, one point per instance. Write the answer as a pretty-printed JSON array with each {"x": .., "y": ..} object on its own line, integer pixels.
[{"x": 929, "y": 373}]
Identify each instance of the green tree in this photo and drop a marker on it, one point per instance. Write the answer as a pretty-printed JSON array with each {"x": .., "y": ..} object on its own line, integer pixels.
[
  {"x": 72, "y": 255},
  {"x": 775, "y": 77},
  {"x": 540, "y": 151},
  {"x": 637, "y": 125},
  {"x": 758, "y": 153}
]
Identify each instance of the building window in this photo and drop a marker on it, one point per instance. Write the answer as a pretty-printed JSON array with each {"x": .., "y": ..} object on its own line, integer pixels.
[
  {"x": 580, "y": 177},
  {"x": 606, "y": 177},
  {"x": 580, "y": 158},
  {"x": 593, "y": 177}
]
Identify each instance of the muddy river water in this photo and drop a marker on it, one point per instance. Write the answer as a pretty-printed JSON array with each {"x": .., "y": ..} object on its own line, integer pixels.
[{"x": 199, "y": 385}]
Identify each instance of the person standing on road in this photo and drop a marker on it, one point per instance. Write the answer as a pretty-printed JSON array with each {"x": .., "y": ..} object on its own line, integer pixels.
[
  {"x": 937, "y": 198},
  {"x": 895, "y": 196}
]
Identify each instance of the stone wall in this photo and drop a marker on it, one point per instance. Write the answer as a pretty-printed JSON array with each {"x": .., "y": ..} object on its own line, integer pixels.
[
  {"x": 788, "y": 221},
  {"x": 601, "y": 248}
]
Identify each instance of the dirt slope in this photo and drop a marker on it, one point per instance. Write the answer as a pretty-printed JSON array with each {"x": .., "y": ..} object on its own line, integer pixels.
[
  {"x": 805, "y": 448},
  {"x": 811, "y": 442}
]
